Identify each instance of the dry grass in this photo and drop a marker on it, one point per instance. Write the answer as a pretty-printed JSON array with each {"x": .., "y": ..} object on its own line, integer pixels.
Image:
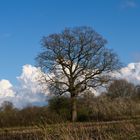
[{"x": 115, "y": 130}]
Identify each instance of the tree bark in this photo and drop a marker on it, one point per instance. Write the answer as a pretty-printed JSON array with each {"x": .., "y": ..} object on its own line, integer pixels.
[{"x": 73, "y": 108}]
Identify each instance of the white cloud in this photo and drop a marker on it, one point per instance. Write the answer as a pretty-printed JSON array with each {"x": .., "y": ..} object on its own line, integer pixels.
[
  {"x": 28, "y": 79},
  {"x": 131, "y": 73},
  {"x": 128, "y": 4},
  {"x": 6, "y": 89},
  {"x": 29, "y": 92}
]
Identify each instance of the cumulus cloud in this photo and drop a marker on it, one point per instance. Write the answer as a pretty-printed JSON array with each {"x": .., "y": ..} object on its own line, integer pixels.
[
  {"x": 7, "y": 92},
  {"x": 131, "y": 73},
  {"x": 28, "y": 79},
  {"x": 6, "y": 89},
  {"x": 29, "y": 92}
]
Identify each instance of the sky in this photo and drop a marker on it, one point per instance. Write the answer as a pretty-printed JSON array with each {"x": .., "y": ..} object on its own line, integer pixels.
[{"x": 23, "y": 23}]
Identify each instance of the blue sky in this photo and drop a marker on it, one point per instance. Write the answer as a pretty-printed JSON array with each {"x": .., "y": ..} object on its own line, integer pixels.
[{"x": 24, "y": 22}]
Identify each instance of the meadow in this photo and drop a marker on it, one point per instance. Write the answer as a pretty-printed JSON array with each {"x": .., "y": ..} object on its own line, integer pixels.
[{"x": 113, "y": 130}]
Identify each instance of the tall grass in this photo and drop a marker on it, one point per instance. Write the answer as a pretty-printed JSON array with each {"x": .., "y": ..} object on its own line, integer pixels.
[{"x": 115, "y": 130}]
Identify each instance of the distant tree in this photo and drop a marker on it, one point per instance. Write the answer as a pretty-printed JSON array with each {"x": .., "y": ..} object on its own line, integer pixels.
[
  {"x": 121, "y": 88},
  {"x": 6, "y": 106},
  {"x": 137, "y": 91},
  {"x": 75, "y": 60}
]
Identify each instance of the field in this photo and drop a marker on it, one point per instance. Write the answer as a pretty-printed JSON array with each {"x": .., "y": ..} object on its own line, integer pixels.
[{"x": 112, "y": 130}]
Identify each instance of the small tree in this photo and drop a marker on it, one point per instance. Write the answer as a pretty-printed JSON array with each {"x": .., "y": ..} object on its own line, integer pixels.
[
  {"x": 6, "y": 106},
  {"x": 61, "y": 106},
  {"x": 121, "y": 88},
  {"x": 137, "y": 92},
  {"x": 75, "y": 60}
]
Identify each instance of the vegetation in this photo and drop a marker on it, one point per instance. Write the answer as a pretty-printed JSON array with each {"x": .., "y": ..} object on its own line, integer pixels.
[
  {"x": 116, "y": 130},
  {"x": 109, "y": 116},
  {"x": 74, "y": 62},
  {"x": 109, "y": 106}
]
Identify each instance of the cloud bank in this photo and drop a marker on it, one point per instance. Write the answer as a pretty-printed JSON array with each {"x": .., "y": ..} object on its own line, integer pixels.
[
  {"x": 131, "y": 73},
  {"x": 28, "y": 92}
]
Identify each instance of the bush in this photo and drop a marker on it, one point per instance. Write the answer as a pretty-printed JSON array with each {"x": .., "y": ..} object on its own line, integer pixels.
[{"x": 61, "y": 106}]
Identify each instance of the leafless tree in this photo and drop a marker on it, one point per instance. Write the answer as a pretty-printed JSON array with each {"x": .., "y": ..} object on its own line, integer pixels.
[
  {"x": 121, "y": 88},
  {"x": 75, "y": 60},
  {"x": 137, "y": 91}
]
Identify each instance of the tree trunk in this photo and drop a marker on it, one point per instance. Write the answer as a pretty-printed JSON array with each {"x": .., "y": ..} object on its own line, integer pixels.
[{"x": 73, "y": 108}]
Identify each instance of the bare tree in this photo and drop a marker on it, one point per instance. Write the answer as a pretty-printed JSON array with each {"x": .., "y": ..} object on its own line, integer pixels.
[
  {"x": 6, "y": 106},
  {"x": 121, "y": 88},
  {"x": 75, "y": 60},
  {"x": 137, "y": 92}
]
